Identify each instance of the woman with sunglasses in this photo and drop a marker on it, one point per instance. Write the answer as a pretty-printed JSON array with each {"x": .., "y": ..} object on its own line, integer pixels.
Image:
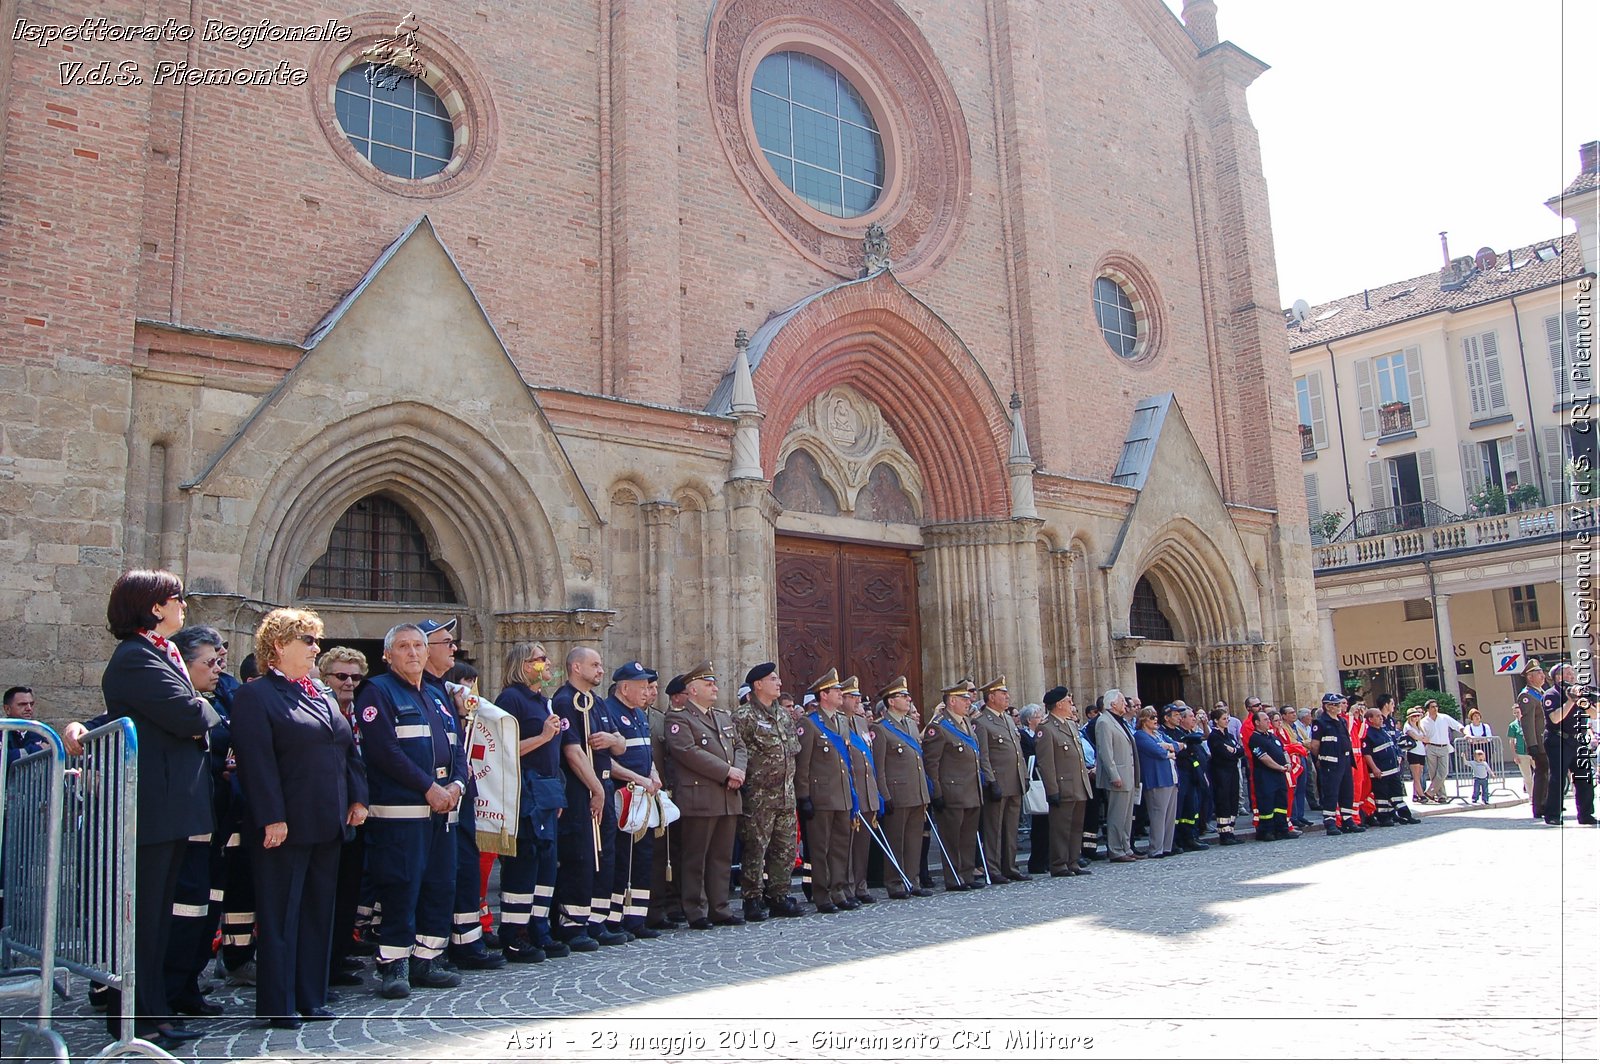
[
  {"x": 343, "y": 669},
  {"x": 303, "y": 783},
  {"x": 147, "y": 681}
]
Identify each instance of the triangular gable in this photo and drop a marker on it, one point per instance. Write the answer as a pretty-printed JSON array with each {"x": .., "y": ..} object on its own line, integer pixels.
[
  {"x": 1161, "y": 460},
  {"x": 412, "y": 305}
]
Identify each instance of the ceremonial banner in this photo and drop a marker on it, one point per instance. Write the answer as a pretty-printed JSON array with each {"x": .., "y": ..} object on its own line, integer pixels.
[{"x": 492, "y": 761}]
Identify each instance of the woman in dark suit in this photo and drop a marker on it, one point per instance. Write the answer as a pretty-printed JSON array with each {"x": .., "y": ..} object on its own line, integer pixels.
[
  {"x": 147, "y": 682},
  {"x": 303, "y": 783}
]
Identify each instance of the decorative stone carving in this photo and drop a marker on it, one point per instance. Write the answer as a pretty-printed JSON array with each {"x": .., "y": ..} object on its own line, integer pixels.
[
  {"x": 875, "y": 251},
  {"x": 841, "y": 456}
]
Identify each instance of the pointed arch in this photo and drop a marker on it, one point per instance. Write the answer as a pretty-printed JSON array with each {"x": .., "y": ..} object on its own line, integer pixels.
[
  {"x": 454, "y": 480},
  {"x": 876, "y": 337},
  {"x": 1195, "y": 584}
]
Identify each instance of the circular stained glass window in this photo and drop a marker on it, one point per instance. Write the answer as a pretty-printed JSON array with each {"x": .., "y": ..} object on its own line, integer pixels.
[
  {"x": 817, "y": 134},
  {"x": 1119, "y": 324}
]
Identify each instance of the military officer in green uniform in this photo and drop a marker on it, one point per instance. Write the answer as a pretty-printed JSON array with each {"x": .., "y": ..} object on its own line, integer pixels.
[
  {"x": 950, "y": 752},
  {"x": 1067, "y": 786},
  {"x": 709, "y": 760},
  {"x": 1005, "y": 777},
  {"x": 902, "y": 782},
  {"x": 825, "y": 796},
  {"x": 666, "y": 893},
  {"x": 864, "y": 779},
  {"x": 768, "y": 825}
]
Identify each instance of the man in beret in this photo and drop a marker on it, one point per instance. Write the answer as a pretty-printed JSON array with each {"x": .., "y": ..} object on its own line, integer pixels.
[
  {"x": 767, "y": 827},
  {"x": 1064, "y": 769},
  {"x": 1005, "y": 777},
  {"x": 709, "y": 759},
  {"x": 950, "y": 752},
  {"x": 666, "y": 894},
  {"x": 826, "y": 798}
]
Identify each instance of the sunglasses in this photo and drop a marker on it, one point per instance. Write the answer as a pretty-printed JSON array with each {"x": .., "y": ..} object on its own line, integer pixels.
[
  {"x": 444, "y": 643},
  {"x": 308, "y": 639},
  {"x": 347, "y": 677},
  {"x": 210, "y": 663}
]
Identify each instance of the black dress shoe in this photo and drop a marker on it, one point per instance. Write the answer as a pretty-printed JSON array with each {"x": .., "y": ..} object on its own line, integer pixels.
[
  {"x": 180, "y": 1034},
  {"x": 321, "y": 1012},
  {"x": 1018, "y": 877},
  {"x": 976, "y": 884},
  {"x": 899, "y": 895},
  {"x": 1058, "y": 875},
  {"x": 923, "y": 892},
  {"x": 958, "y": 887},
  {"x": 865, "y": 899},
  {"x": 197, "y": 1006},
  {"x": 827, "y": 907},
  {"x": 700, "y": 923},
  {"x": 733, "y": 920},
  {"x": 645, "y": 932}
]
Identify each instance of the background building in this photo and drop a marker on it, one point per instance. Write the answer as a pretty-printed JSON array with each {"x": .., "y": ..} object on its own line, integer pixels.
[
  {"x": 1008, "y": 392},
  {"x": 1448, "y": 446}
]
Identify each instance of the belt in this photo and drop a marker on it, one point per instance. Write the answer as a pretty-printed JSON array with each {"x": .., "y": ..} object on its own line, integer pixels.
[{"x": 1438, "y": 746}]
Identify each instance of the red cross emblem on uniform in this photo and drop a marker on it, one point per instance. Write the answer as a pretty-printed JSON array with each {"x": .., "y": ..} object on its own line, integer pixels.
[
  {"x": 478, "y": 750},
  {"x": 369, "y": 714}
]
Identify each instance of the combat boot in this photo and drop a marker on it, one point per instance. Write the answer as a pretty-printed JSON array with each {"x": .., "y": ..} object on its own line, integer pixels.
[
  {"x": 1331, "y": 826},
  {"x": 519, "y": 949},
  {"x": 785, "y": 906},
  {"x": 392, "y": 982},
  {"x": 754, "y": 911},
  {"x": 426, "y": 975}
]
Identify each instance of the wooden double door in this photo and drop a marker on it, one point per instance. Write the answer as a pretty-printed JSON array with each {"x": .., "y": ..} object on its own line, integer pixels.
[{"x": 847, "y": 606}]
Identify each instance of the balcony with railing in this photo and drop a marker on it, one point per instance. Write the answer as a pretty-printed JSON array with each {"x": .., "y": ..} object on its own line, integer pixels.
[
  {"x": 1394, "y": 419},
  {"x": 1308, "y": 441},
  {"x": 1410, "y": 532}
]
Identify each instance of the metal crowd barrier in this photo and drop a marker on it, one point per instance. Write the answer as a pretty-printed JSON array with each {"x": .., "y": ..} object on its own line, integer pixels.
[
  {"x": 31, "y": 814},
  {"x": 1502, "y": 766}
]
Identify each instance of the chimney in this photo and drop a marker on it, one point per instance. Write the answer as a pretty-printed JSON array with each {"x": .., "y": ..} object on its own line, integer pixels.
[
  {"x": 1444, "y": 244},
  {"x": 1589, "y": 157},
  {"x": 1200, "y": 19}
]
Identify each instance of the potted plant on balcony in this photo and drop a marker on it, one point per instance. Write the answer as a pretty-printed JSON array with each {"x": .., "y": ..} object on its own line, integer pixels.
[
  {"x": 1308, "y": 439},
  {"x": 1525, "y": 497},
  {"x": 1327, "y": 525},
  {"x": 1393, "y": 409},
  {"x": 1488, "y": 500}
]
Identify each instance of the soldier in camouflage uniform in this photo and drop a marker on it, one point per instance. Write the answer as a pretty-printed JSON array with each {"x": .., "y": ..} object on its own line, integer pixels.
[{"x": 768, "y": 825}]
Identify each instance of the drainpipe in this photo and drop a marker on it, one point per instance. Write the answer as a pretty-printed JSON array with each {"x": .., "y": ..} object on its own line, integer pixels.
[
  {"x": 1344, "y": 447},
  {"x": 1527, "y": 393}
]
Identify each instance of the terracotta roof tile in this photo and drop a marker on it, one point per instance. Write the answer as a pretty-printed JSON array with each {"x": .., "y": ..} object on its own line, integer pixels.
[{"x": 1536, "y": 266}]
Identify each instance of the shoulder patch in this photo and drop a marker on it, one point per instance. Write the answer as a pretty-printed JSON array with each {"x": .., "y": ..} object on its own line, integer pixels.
[
  {"x": 673, "y": 729},
  {"x": 932, "y": 732},
  {"x": 369, "y": 714},
  {"x": 565, "y": 724}
]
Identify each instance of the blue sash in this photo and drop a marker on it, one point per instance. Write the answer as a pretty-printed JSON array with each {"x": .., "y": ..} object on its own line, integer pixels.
[
  {"x": 908, "y": 740},
  {"x": 844, "y": 756},
  {"x": 860, "y": 743},
  {"x": 971, "y": 741}
]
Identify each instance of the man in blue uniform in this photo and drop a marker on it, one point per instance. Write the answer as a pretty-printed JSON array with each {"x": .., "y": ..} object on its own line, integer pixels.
[
  {"x": 586, "y": 842},
  {"x": 1386, "y": 767},
  {"x": 1330, "y": 745},
  {"x": 467, "y": 949},
  {"x": 1179, "y": 724},
  {"x": 634, "y": 864},
  {"x": 416, "y": 776}
]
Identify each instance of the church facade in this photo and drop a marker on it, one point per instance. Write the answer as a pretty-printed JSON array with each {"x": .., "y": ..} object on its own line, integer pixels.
[{"x": 927, "y": 340}]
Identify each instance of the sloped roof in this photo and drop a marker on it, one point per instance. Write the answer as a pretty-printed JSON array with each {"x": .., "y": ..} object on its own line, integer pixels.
[
  {"x": 1139, "y": 446},
  {"x": 1523, "y": 269}
]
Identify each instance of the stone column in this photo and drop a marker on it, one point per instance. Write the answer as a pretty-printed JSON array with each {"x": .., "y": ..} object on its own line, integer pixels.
[
  {"x": 1447, "y": 647},
  {"x": 752, "y": 520},
  {"x": 1330, "y": 649},
  {"x": 660, "y": 519},
  {"x": 1025, "y": 578}
]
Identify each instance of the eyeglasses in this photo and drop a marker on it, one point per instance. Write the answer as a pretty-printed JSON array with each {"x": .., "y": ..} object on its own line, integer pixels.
[
  {"x": 210, "y": 663},
  {"x": 444, "y": 643},
  {"x": 347, "y": 677},
  {"x": 308, "y": 639}
]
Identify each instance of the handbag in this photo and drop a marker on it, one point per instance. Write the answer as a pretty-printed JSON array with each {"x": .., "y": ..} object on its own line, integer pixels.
[
  {"x": 1034, "y": 802},
  {"x": 633, "y": 809}
]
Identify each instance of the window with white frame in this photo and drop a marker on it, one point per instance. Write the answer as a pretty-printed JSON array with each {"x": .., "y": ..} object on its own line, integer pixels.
[
  {"x": 1389, "y": 372},
  {"x": 1561, "y": 337},
  {"x": 1486, "y": 388},
  {"x": 1313, "y": 413}
]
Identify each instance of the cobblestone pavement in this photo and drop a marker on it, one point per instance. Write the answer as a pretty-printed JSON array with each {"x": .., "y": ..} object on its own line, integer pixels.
[{"x": 1469, "y": 937}]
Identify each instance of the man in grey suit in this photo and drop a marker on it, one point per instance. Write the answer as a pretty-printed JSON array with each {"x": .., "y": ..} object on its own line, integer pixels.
[{"x": 1116, "y": 770}]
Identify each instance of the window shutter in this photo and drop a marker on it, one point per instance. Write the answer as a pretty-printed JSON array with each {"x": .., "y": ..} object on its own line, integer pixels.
[
  {"x": 1419, "y": 404},
  {"x": 1319, "y": 415},
  {"x": 1477, "y": 394},
  {"x": 1560, "y": 382},
  {"x": 1494, "y": 379},
  {"x": 1555, "y": 466},
  {"x": 1366, "y": 399},
  {"x": 1427, "y": 473},
  {"x": 1313, "y": 499},
  {"x": 1524, "y": 451},
  {"x": 1471, "y": 468},
  {"x": 1377, "y": 486}
]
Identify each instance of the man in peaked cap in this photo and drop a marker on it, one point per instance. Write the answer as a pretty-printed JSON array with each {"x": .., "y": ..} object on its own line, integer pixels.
[
  {"x": 1531, "y": 701},
  {"x": 768, "y": 825},
  {"x": 666, "y": 895},
  {"x": 1005, "y": 777},
  {"x": 864, "y": 781},
  {"x": 950, "y": 752},
  {"x": 634, "y": 863},
  {"x": 902, "y": 781},
  {"x": 825, "y": 796},
  {"x": 709, "y": 759}
]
